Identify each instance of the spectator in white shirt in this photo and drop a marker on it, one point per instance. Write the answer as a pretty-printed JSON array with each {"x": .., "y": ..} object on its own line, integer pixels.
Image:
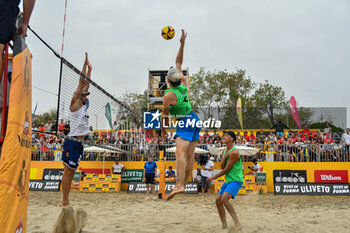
[
  {"x": 118, "y": 168},
  {"x": 256, "y": 168},
  {"x": 346, "y": 142},
  {"x": 205, "y": 173}
]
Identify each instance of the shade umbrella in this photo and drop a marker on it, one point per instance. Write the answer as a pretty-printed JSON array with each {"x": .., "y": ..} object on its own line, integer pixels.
[
  {"x": 197, "y": 150},
  {"x": 95, "y": 149},
  {"x": 243, "y": 150}
]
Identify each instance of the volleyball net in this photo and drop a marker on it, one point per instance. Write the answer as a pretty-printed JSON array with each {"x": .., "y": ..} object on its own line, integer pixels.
[{"x": 103, "y": 107}]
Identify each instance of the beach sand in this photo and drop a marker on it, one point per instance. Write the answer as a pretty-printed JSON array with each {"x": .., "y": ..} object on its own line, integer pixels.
[{"x": 122, "y": 212}]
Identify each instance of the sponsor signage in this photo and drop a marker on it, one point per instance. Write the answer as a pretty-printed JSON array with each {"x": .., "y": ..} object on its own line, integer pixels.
[
  {"x": 77, "y": 176},
  {"x": 312, "y": 189},
  {"x": 261, "y": 177},
  {"x": 132, "y": 175},
  {"x": 133, "y": 187},
  {"x": 52, "y": 174},
  {"x": 289, "y": 176},
  {"x": 331, "y": 176},
  {"x": 44, "y": 185}
]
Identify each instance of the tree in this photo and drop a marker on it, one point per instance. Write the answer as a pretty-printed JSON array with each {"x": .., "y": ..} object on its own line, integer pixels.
[
  {"x": 137, "y": 102},
  {"x": 219, "y": 91},
  {"x": 214, "y": 94},
  {"x": 51, "y": 115},
  {"x": 322, "y": 125},
  {"x": 207, "y": 91}
]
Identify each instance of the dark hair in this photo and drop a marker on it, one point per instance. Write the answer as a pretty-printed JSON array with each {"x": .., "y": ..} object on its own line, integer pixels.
[
  {"x": 254, "y": 160},
  {"x": 232, "y": 134},
  {"x": 203, "y": 159}
]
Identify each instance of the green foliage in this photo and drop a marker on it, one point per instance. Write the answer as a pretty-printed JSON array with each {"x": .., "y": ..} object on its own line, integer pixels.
[
  {"x": 221, "y": 89},
  {"x": 322, "y": 125},
  {"x": 51, "y": 115},
  {"x": 137, "y": 102}
]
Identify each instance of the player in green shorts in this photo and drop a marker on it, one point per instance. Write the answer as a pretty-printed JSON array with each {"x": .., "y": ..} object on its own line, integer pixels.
[
  {"x": 176, "y": 103},
  {"x": 231, "y": 165}
]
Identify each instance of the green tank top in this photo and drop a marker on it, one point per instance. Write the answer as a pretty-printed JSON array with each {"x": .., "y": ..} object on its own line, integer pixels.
[
  {"x": 236, "y": 172},
  {"x": 183, "y": 106}
]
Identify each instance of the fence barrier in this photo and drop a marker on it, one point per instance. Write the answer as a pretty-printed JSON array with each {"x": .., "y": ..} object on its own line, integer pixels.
[{"x": 267, "y": 152}]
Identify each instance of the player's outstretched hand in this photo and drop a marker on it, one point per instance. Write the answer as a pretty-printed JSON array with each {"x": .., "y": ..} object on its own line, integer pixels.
[
  {"x": 87, "y": 62},
  {"x": 183, "y": 36}
]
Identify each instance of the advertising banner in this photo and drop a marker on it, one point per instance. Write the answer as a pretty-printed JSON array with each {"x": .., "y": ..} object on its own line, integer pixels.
[
  {"x": 52, "y": 174},
  {"x": 261, "y": 177},
  {"x": 294, "y": 110},
  {"x": 16, "y": 150},
  {"x": 270, "y": 111},
  {"x": 331, "y": 176},
  {"x": 312, "y": 189},
  {"x": 133, "y": 187},
  {"x": 289, "y": 176},
  {"x": 44, "y": 185},
  {"x": 132, "y": 175},
  {"x": 239, "y": 112}
]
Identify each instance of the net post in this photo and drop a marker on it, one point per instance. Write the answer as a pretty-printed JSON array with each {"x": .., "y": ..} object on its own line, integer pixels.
[
  {"x": 59, "y": 96},
  {"x": 162, "y": 174}
]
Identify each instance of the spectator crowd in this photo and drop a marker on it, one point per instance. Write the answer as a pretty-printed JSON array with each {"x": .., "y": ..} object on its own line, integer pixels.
[{"x": 296, "y": 146}]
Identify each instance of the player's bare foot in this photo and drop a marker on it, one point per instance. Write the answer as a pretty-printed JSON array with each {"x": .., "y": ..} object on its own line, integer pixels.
[
  {"x": 64, "y": 204},
  {"x": 224, "y": 226},
  {"x": 174, "y": 192},
  {"x": 238, "y": 227}
]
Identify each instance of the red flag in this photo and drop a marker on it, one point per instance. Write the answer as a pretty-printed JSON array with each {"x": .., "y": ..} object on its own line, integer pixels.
[{"x": 294, "y": 110}]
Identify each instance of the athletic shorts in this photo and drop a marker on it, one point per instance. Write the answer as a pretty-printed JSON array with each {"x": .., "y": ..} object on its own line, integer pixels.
[
  {"x": 205, "y": 182},
  {"x": 8, "y": 14},
  {"x": 149, "y": 178},
  {"x": 231, "y": 188},
  {"x": 346, "y": 147},
  {"x": 72, "y": 151},
  {"x": 189, "y": 131}
]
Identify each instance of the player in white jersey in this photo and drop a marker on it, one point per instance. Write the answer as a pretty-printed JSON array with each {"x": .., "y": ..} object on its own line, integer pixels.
[{"x": 79, "y": 128}]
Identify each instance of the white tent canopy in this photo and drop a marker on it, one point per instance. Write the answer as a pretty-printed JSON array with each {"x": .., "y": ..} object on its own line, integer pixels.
[
  {"x": 197, "y": 150},
  {"x": 243, "y": 150},
  {"x": 97, "y": 149}
]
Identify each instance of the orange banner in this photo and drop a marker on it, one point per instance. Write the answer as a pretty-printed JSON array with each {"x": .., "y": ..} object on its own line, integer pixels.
[{"x": 16, "y": 150}]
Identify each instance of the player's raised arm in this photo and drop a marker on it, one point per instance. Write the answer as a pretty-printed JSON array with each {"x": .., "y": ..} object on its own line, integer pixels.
[
  {"x": 179, "y": 57},
  {"x": 83, "y": 86}
]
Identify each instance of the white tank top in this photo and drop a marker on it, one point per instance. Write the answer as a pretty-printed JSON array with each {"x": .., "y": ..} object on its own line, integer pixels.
[{"x": 79, "y": 122}]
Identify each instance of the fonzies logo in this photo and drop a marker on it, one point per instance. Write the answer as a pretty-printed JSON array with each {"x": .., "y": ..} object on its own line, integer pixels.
[{"x": 331, "y": 176}]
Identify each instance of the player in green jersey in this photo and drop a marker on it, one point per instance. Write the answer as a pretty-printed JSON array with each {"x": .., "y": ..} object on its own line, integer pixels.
[
  {"x": 176, "y": 104},
  {"x": 231, "y": 165}
]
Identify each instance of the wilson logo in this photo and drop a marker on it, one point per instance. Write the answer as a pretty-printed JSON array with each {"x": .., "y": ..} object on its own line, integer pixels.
[{"x": 331, "y": 176}]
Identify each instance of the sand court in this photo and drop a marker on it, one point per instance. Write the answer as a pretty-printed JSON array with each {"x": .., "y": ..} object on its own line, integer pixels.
[{"x": 122, "y": 212}]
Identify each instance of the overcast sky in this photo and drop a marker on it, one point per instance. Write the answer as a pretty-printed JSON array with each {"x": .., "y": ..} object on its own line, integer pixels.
[{"x": 302, "y": 46}]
